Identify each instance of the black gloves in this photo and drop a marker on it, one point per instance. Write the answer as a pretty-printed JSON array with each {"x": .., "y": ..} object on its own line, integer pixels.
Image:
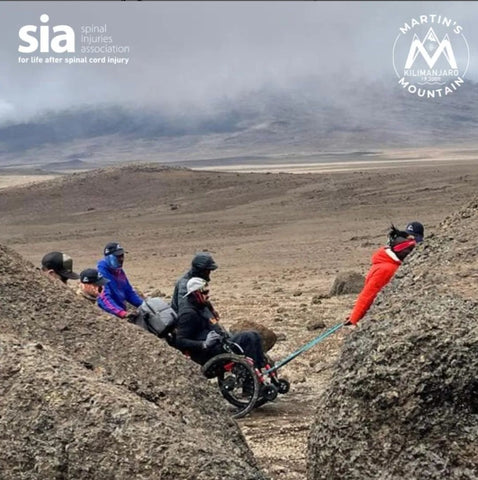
[{"x": 133, "y": 316}]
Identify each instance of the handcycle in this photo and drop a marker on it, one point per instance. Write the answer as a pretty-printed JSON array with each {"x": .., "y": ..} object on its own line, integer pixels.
[
  {"x": 240, "y": 382},
  {"x": 244, "y": 385}
]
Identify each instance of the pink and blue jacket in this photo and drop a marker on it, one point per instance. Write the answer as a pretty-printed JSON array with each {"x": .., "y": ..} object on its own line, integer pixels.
[{"x": 117, "y": 291}]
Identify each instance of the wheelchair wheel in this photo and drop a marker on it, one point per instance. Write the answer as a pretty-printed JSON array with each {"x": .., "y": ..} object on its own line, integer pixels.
[
  {"x": 284, "y": 386},
  {"x": 268, "y": 393},
  {"x": 237, "y": 381}
]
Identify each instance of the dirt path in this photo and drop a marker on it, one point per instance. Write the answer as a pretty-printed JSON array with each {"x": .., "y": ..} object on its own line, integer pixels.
[{"x": 278, "y": 432}]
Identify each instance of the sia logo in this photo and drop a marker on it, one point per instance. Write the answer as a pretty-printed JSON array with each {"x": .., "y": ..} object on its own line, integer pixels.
[
  {"x": 431, "y": 56},
  {"x": 60, "y": 39}
]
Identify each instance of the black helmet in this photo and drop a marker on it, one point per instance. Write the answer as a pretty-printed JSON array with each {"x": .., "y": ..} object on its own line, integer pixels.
[{"x": 203, "y": 261}]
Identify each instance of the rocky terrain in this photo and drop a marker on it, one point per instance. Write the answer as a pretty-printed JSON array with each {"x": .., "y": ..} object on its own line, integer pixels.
[
  {"x": 84, "y": 395},
  {"x": 280, "y": 241},
  {"x": 403, "y": 398}
]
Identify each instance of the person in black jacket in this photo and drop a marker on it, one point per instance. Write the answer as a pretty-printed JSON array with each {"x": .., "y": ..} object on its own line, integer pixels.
[
  {"x": 201, "y": 266},
  {"x": 201, "y": 338}
]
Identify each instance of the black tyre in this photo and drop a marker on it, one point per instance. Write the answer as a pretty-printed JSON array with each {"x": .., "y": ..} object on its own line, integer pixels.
[
  {"x": 260, "y": 401},
  {"x": 269, "y": 392},
  {"x": 237, "y": 381},
  {"x": 283, "y": 387}
]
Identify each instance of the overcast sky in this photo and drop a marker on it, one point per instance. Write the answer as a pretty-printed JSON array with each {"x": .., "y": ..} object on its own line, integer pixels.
[{"x": 196, "y": 52}]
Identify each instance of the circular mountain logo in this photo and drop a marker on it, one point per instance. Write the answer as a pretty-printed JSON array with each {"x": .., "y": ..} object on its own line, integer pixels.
[{"x": 431, "y": 56}]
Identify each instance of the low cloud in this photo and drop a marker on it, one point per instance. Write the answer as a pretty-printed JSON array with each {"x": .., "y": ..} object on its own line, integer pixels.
[{"x": 200, "y": 53}]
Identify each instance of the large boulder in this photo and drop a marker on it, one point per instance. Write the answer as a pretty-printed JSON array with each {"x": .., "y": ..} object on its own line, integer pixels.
[
  {"x": 86, "y": 395},
  {"x": 268, "y": 336},
  {"x": 347, "y": 282},
  {"x": 403, "y": 400}
]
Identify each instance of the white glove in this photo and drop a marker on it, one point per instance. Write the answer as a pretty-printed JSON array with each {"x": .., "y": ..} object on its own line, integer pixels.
[{"x": 212, "y": 339}]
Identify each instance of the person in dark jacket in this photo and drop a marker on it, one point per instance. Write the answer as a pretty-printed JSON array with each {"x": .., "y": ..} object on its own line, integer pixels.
[
  {"x": 118, "y": 290},
  {"x": 202, "y": 339},
  {"x": 385, "y": 262},
  {"x": 201, "y": 266}
]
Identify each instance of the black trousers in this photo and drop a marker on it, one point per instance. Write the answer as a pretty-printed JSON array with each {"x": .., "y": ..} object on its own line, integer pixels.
[{"x": 250, "y": 342}]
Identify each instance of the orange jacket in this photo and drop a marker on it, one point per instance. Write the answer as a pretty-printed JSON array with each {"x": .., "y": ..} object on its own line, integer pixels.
[{"x": 384, "y": 265}]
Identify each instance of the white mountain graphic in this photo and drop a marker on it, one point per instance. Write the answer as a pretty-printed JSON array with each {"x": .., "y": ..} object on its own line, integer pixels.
[{"x": 444, "y": 47}]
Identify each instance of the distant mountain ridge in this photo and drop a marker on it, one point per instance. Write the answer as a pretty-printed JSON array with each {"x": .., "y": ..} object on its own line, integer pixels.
[{"x": 311, "y": 117}]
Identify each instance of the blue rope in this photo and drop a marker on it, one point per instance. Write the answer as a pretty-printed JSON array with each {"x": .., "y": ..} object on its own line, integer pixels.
[{"x": 304, "y": 348}]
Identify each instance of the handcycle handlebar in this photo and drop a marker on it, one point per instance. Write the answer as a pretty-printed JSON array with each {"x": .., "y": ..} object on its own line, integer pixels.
[{"x": 231, "y": 347}]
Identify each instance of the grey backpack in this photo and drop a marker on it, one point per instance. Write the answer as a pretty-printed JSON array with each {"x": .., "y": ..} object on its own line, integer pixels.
[{"x": 157, "y": 316}]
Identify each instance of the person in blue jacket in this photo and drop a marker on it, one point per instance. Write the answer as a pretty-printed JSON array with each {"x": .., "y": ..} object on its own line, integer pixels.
[{"x": 118, "y": 290}]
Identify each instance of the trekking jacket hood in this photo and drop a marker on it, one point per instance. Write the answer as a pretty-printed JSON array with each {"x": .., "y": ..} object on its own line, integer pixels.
[{"x": 384, "y": 265}]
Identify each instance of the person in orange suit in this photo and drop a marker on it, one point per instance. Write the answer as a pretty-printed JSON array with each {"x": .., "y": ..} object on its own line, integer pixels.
[{"x": 385, "y": 262}]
